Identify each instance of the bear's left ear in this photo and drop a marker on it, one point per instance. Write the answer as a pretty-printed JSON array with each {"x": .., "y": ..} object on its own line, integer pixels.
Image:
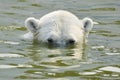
[{"x": 32, "y": 24}]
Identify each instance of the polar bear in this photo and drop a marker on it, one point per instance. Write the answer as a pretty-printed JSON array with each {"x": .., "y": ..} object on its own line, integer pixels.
[{"x": 58, "y": 28}]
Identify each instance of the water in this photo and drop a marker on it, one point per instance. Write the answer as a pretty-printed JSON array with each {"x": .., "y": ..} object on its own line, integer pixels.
[{"x": 100, "y": 60}]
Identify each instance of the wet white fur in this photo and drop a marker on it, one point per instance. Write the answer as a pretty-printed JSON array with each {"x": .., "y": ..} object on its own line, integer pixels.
[{"x": 59, "y": 25}]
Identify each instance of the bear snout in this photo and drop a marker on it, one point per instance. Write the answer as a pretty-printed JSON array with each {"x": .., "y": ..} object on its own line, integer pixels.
[{"x": 53, "y": 42}]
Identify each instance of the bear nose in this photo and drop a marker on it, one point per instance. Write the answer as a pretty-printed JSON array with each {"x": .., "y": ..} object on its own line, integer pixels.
[
  {"x": 50, "y": 40},
  {"x": 71, "y": 42}
]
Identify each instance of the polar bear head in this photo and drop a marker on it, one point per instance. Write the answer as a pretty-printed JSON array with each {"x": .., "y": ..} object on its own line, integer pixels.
[{"x": 59, "y": 28}]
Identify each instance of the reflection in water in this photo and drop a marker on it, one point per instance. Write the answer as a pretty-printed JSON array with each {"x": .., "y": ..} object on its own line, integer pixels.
[
  {"x": 23, "y": 60},
  {"x": 53, "y": 61},
  {"x": 56, "y": 56}
]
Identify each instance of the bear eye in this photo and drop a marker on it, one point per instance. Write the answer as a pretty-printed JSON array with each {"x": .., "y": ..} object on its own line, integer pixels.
[
  {"x": 71, "y": 41},
  {"x": 50, "y": 40}
]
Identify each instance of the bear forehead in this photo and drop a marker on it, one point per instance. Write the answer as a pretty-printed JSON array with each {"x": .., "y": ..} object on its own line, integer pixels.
[
  {"x": 60, "y": 19},
  {"x": 61, "y": 29},
  {"x": 60, "y": 26}
]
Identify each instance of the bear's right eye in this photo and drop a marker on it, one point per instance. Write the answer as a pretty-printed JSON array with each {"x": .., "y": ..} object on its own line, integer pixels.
[{"x": 50, "y": 40}]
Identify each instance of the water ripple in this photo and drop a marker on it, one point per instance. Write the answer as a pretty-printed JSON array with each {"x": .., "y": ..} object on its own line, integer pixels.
[
  {"x": 112, "y": 53},
  {"x": 10, "y": 55},
  {"x": 14, "y": 66},
  {"x": 110, "y": 68}
]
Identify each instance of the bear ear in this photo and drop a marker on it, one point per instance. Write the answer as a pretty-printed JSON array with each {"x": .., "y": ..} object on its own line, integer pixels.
[
  {"x": 32, "y": 24},
  {"x": 87, "y": 24}
]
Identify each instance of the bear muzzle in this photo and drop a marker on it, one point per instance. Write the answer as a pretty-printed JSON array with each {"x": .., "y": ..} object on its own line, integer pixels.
[{"x": 69, "y": 42}]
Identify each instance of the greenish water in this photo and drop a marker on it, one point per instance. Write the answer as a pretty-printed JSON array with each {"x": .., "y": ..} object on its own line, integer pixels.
[{"x": 100, "y": 60}]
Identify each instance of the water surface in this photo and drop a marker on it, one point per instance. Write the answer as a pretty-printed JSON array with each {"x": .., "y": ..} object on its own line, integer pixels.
[{"x": 100, "y": 60}]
